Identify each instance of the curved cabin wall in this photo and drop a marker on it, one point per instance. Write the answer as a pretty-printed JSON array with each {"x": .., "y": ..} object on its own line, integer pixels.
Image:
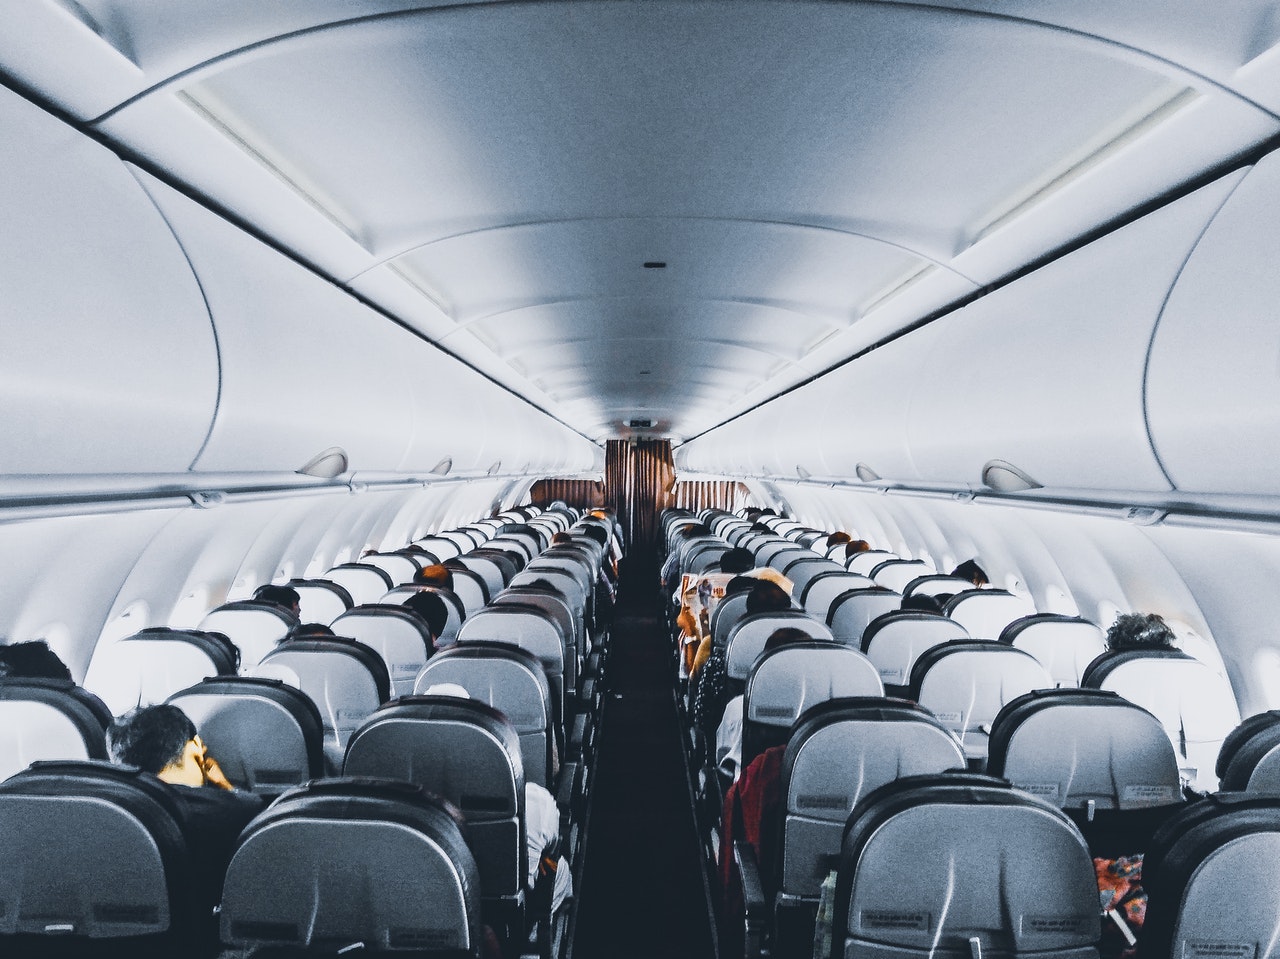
[
  {"x": 144, "y": 334},
  {"x": 1046, "y": 372}
]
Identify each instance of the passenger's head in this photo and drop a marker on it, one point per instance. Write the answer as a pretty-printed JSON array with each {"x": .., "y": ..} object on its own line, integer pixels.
[
  {"x": 308, "y": 631},
  {"x": 856, "y": 546},
  {"x": 767, "y": 597},
  {"x": 562, "y": 538},
  {"x": 838, "y": 537},
  {"x": 922, "y": 602},
  {"x": 737, "y": 560},
  {"x": 971, "y": 571},
  {"x": 160, "y": 740},
  {"x": 1140, "y": 631},
  {"x": 596, "y": 533},
  {"x": 32, "y": 660},
  {"x": 784, "y": 637},
  {"x": 431, "y": 609},
  {"x": 739, "y": 584},
  {"x": 437, "y": 574},
  {"x": 286, "y": 597}
]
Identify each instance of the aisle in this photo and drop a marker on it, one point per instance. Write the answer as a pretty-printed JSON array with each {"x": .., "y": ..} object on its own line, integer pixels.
[{"x": 642, "y": 891}]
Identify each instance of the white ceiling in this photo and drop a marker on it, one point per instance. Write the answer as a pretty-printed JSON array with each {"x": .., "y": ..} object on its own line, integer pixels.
[{"x": 814, "y": 175}]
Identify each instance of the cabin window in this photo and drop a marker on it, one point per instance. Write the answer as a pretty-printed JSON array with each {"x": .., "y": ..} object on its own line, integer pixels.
[
  {"x": 128, "y": 621},
  {"x": 190, "y": 609}
]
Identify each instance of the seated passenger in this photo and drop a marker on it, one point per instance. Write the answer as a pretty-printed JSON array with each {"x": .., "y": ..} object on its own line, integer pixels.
[
  {"x": 307, "y": 630},
  {"x": 700, "y": 600},
  {"x": 923, "y": 603},
  {"x": 32, "y": 660},
  {"x": 729, "y": 732},
  {"x": 836, "y": 538},
  {"x": 163, "y": 741},
  {"x": 1140, "y": 631},
  {"x": 436, "y": 574},
  {"x": 541, "y": 824},
  {"x": 430, "y": 608},
  {"x": 974, "y": 573},
  {"x": 705, "y": 647},
  {"x": 286, "y": 597},
  {"x": 854, "y": 547}
]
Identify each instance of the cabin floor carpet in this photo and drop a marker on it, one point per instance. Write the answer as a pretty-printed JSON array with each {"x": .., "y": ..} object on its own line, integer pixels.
[{"x": 642, "y": 891}]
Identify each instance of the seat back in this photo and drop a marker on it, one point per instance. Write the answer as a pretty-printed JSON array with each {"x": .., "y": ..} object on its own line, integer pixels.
[
  {"x": 1194, "y": 703},
  {"x": 363, "y": 582},
  {"x": 725, "y": 616},
  {"x": 893, "y": 641},
  {"x": 823, "y": 589},
  {"x": 401, "y": 567},
  {"x": 838, "y": 752},
  {"x": 1250, "y": 756},
  {"x": 151, "y": 665},
  {"x": 1084, "y": 749},
  {"x": 452, "y": 603},
  {"x": 254, "y": 627},
  {"x": 471, "y": 590},
  {"x": 346, "y": 680},
  {"x": 266, "y": 735},
  {"x": 936, "y": 584},
  {"x": 463, "y": 751},
  {"x": 747, "y": 638},
  {"x": 340, "y": 862},
  {"x": 554, "y": 605},
  {"x": 896, "y": 574},
  {"x": 986, "y": 612},
  {"x": 863, "y": 563},
  {"x": 440, "y": 547},
  {"x": 321, "y": 600},
  {"x": 49, "y": 719},
  {"x": 1209, "y": 876},
  {"x": 530, "y": 630},
  {"x": 967, "y": 682},
  {"x": 962, "y": 865},
  {"x": 803, "y": 570},
  {"x": 785, "y": 682},
  {"x": 396, "y": 634},
  {"x": 1065, "y": 645},
  {"x": 511, "y": 680},
  {"x": 852, "y": 611},
  {"x": 92, "y": 851},
  {"x": 488, "y": 569}
]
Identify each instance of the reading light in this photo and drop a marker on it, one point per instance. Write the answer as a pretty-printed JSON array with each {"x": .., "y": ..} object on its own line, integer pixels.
[
  {"x": 866, "y": 473},
  {"x": 1006, "y": 478},
  {"x": 326, "y": 464},
  {"x": 442, "y": 468}
]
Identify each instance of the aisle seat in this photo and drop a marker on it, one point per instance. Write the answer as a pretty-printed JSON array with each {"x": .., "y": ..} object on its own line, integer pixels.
[
  {"x": 747, "y": 638},
  {"x": 396, "y": 634}
]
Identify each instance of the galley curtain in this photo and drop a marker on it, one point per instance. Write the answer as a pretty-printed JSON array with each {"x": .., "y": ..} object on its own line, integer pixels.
[
  {"x": 585, "y": 494},
  {"x": 639, "y": 476}
]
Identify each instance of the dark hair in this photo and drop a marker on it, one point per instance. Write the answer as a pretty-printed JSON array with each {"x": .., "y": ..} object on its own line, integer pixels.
[
  {"x": 542, "y": 586},
  {"x": 33, "y": 660},
  {"x": 737, "y": 560},
  {"x": 784, "y": 637},
  {"x": 596, "y": 533},
  {"x": 854, "y": 547},
  {"x": 437, "y": 574},
  {"x": 1140, "y": 631},
  {"x": 971, "y": 571},
  {"x": 285, "y": 597},
  {"x": 306, "y": 630},
  {"x": 922, "y": 602},
  {"x": 561, "y": 538},
  {"x": 149, "y": 737},
  {"x": 838, "y": 537},
  {"x": 739, "y": 584},
  {"x": 431, "y": 609},
  {"x": 767, "y": 597}
]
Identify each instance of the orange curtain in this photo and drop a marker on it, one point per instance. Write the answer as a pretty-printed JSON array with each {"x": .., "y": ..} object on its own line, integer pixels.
[
  {"x": 639, "y": 476},
  {"x": 697, "y": 495},
  {"x": 585, "y": 494}
]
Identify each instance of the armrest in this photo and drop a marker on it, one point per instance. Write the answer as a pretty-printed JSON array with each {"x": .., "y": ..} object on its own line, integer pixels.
[
  {"x": 577, "y": 736},
  {"x": 757, "y": 910}
]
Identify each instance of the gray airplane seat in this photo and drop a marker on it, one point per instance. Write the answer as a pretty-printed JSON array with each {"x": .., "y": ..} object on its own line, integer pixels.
[
  {"x": 396, "y": 634},
  {"x": 265, "y": 734},
  {"x": 511, "y": 680},
  {"x": 555, "y": 606},
  {"x": 346, "y": 680},
  {"x": 787, "y": 681},
  {"x": 802, "y": 570},
  {"x": 321, "y": 600},
  {"x": 509, "y": 555},
  {"x": 863, "y": 563},
  {"x": 151, "y": 665},
  {"x": 440, "y": 547},
  {"x": 959, "y": 865},
  {"x": 824, "y": 588},
  {"x": 530, "y": 629},
  {"x": 470, "y": 587},
  {"x": 1104, "y": 761},
  {"x": 1210, "y": 878},
  {"x": 401, "y": 567},
  {"x": 1193, "y": 702},
  {"x": 893, "y": 641},
  {"x": 490, "y": 570},
  {"x": 468, "y": 753},
  {"x": 255, "y": 627},
  {"x": 95, "y": 865},
  {"x": 354, "y": 866},
  {"x": 1065, "y": 645},
  {"x": 986, "y": 612},
  {"x": 965, "y": 683},
  {"x": 748, "y": 636},
  {"x": 936, "y": 584},
  {"x": 363, "y": 582},
  {"x": 44, "y": 719},
  {"x": 1249, "y": 760},
  {"x": 897, "y": 574},
  {"x": 453, "y": 604},
  {"x": 838, "y": 752},
  {"x": 728, "y": 612},
  {"x": 852, "y": 612}
]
